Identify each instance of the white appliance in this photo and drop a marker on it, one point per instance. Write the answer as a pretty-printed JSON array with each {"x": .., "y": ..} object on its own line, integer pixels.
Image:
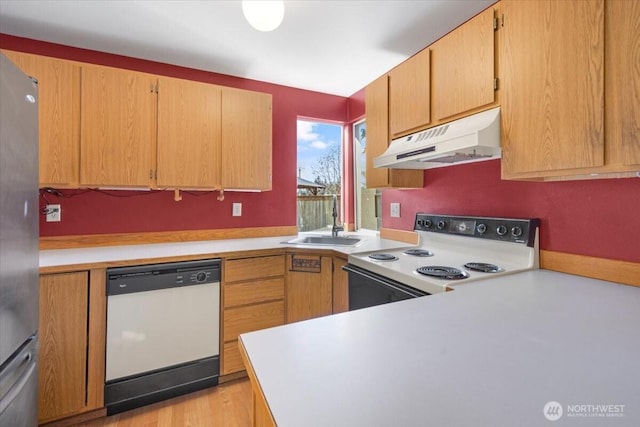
[
  {"x": 470, "y": 139},
  {"x": 163, "y": 325},
  {"x": 18, "y": 247},
  {"x": 453, "y": 251}
]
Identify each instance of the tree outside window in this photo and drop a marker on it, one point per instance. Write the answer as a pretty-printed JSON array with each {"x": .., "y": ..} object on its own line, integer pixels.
[{"x": 319, "y": 173}]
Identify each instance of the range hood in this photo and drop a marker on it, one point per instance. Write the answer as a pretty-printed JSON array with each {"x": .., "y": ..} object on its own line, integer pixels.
[{"x": 466, "y": 140}]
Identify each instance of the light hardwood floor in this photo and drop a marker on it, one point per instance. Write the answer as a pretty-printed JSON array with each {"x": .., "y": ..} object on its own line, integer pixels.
[{"x": 228, "y": 404}]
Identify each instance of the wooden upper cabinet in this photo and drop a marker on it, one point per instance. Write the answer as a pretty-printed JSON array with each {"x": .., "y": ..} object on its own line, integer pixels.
[
  {"x": 409, "y": 95},
  {"x": 188, "y": 134},
  {"x": 378, "y": 138},
  {"x": 118, "y": 127},
  {"x": 463, "y": 68},
  {"x": 622, "y": 84},
  {"x": 377, "y": 111},
  {"x": 59, "y": 116},
  {"x": 246, "y": 140},
  {"x": 551, "y": 71}
]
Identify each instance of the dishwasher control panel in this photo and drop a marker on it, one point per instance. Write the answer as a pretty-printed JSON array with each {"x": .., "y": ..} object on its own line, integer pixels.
[{"x": 124, "y": 280}]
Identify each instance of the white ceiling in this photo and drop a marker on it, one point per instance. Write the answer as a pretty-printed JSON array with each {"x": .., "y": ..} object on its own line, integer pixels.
[{"x": 334, "y": 47}]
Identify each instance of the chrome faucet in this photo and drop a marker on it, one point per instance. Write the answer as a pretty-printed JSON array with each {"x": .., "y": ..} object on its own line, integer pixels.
[{"x": 334, "y": 214}]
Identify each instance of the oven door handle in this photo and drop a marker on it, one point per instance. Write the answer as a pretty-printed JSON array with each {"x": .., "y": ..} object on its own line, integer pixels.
[{"x": 376, "y": 279}]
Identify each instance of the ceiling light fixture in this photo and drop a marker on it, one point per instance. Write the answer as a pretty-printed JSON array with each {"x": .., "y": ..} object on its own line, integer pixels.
[{"x": 263, "y": 15}]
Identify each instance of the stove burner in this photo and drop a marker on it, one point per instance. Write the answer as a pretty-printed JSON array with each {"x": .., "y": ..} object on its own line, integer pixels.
[
  {"x": 383, "y": 257},
  {"x": 418, "y": 252},
  {"x": 483, "y": 267},
  {"x": 440, "y": 272}
]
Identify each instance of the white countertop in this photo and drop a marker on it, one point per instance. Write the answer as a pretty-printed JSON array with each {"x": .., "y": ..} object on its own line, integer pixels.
[
  {"x": 370, "y": 241},
  {"x": 492, "y": 353}
]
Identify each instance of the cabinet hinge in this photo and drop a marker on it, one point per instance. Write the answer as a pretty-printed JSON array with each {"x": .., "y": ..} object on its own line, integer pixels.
[{"x": 495, "y": 83}]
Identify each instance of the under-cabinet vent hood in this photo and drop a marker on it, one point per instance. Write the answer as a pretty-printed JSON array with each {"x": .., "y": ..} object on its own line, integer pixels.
[{"x": 466, "y": 140}]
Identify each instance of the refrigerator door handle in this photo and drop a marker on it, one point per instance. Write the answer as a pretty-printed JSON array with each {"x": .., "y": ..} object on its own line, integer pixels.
[{"x": 17, "y": 387}]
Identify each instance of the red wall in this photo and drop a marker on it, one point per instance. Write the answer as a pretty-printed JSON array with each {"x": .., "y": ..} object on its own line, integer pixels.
[
  {"x": 595, "y": 217},
  {"x": 95, "y": 213}
]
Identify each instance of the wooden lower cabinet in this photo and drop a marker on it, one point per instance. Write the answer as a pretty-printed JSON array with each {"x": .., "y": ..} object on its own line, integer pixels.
[
  {"x": 71, "y": 334},
  {"x": 260, "y": 413},
  {"x": 340, "y": 286},
  {"x": 252, "y": 299},
  {"x": 309, "y": 286}
]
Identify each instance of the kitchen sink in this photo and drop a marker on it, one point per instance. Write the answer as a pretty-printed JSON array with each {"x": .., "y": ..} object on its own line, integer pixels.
[{"x": 325, "y": 240}]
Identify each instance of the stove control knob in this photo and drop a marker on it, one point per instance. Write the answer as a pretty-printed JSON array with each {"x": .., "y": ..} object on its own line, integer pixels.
[
  {"x": 481, "y": 228},
  {"x": 501, "y": 230},
  {"x": 441, "y": 225},
  {"x": 516, "y": 231},
  {"x": 427, "y": 223}
]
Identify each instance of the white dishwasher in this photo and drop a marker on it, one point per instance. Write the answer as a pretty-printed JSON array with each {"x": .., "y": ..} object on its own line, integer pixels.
[{"x": 163, "y": 327}]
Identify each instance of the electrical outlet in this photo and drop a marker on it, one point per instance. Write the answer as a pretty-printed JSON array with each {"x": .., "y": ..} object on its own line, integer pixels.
[
  {"x": 395, "y": 210},
  {"x": 237, "y": 209},
  {"x": 54, "y": 213}
]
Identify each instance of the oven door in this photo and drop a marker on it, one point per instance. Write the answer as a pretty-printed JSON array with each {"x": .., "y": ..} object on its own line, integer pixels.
[{"x": 367, "y": 289}]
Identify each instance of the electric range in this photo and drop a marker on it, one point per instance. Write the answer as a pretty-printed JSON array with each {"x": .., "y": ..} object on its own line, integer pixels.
[{"x": 456, "y": 250}]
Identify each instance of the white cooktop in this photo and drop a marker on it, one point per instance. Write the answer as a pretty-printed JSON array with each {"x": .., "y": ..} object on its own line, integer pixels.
[{"x": 450, "y": 251}]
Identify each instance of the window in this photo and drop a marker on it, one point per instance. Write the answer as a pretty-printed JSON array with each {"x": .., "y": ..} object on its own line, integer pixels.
[
  {"x": 367, "y": 200},
  {"x": 319, "y": 174}
]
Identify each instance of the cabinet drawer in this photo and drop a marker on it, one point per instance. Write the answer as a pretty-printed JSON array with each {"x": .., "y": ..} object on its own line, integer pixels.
[
  {"x": 231, "y": 359},
  {"x": 253, "y": 292},
  {"x": 253, "y": 268},
  {"x": 252, "y": 318}
]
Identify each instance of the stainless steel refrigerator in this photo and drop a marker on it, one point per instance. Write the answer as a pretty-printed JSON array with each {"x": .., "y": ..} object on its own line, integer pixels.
[{"x": 18, "y": 247}]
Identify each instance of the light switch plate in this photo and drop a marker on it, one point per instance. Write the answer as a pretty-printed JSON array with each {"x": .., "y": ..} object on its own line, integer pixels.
[
  {"x": 237, "y": 209},
  {"x": 395, "y": 210}
]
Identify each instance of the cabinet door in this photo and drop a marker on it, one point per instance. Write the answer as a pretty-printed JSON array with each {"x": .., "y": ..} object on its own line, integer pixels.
[
  {"x": 377, "y": 111},
  {"x": 409, "y": 96},
  {"x": 551, "y": 62},
  {"x": 188, "y": 134},
  {"x": 308, "y": 283},
  {"x": 246, "y": 140},
  {"x": 463, "y": 67},
  {"x": 63, "y": 345},
  {"x": 118, "y": 127},
  {"x": 340, "y": 286},
  {"x": 622, "y": 53},
  {"x": 59, "y": 116}
]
